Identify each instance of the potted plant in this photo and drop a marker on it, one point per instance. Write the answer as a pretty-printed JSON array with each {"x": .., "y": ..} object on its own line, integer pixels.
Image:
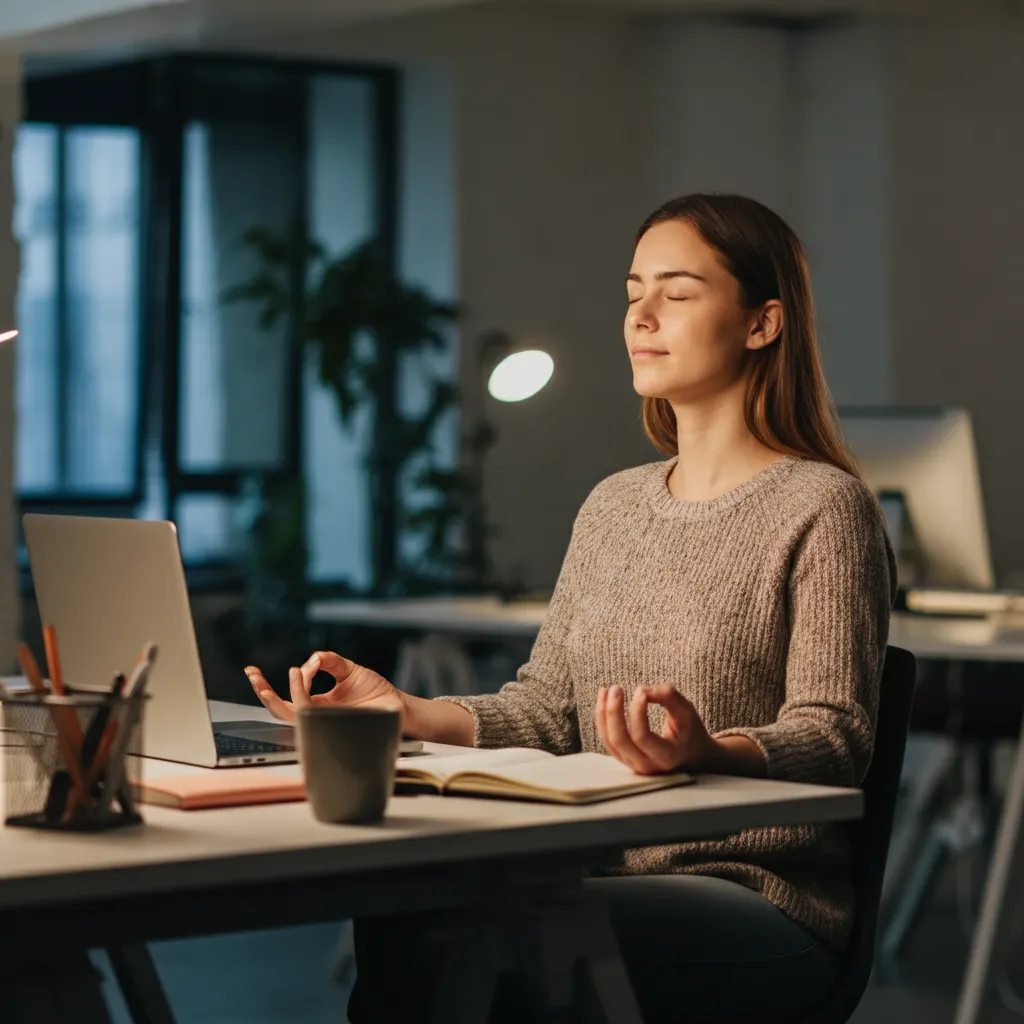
[{"x": 359, "y": 321}]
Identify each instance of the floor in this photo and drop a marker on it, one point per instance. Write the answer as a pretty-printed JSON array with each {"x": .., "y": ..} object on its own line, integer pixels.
[
  {"x": 284, "y": 976},
  {"x": 267, "y": 977}
]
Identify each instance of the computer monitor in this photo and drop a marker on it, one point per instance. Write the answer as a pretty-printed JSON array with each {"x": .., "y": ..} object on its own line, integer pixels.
[{"x": 927, "y": 457}]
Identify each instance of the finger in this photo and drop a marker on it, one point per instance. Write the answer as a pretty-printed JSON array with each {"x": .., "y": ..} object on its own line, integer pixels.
[
  {"x": 309, "y": 669},
  {"x": 300, "y": 697},
  {"x": 679, "y": 712},
  {"x": 338, "y": 666},
  {"x": 658, "y": 750},
  {"x": 256, "y": 677},
  {"x": 624, "y": 747},
  {"x": 600, "y": 715},
  {"x": 639, "y": 725},
  {"x": 269, "y": 699},
  {"x": 669, "y": 697}
]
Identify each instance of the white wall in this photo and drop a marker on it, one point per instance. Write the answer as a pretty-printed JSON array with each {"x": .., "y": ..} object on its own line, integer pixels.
[
  {"x": 957, "y": 256},
  {"x": 841, "y": 205},
  {"x": 10, "y": 604},
  {"x": 720, "y": 110}
]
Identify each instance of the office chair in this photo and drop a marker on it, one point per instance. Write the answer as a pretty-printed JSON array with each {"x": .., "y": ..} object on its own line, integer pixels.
[{"x": 870, "y": 836}]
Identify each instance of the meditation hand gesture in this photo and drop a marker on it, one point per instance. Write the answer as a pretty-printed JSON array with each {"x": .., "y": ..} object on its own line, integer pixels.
[
  {"x": 683, "y": 743},
  {"x": 354, "y": 686}
]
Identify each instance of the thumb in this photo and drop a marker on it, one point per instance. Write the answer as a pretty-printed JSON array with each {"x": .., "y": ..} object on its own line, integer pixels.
[{"x": 339, "y": 667}]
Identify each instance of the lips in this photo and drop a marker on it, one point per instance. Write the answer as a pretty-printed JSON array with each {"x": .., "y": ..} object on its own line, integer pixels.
[{"x": 647, "y": 353}]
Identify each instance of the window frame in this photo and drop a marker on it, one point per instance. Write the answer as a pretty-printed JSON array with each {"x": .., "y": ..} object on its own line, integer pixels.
[{"x": 149, "y": 95}]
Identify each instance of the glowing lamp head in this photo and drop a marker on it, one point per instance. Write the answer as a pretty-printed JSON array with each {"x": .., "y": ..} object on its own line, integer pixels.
[
  {"x": 7, "y": 336},
  {"x": 520, "y": 375}
]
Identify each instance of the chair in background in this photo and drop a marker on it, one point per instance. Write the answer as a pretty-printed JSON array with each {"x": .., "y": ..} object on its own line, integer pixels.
[
  {"x": 954, "y": 808},
  {"x": 870, "y": 836},
  {"x": 433, "y": 666}
]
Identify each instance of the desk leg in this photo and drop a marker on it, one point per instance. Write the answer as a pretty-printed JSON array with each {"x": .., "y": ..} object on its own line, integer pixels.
[
  {"x": 989, "y": 944},
  {"x": 140, "y": 985}
]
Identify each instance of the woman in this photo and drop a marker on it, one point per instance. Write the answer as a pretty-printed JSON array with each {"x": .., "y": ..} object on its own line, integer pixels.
[{"x": 726, "y": 610}]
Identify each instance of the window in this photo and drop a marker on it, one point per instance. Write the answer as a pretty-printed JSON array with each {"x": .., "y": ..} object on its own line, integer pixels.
[
  {"x": 140, "y": 391},
  {"x": 78, "y": 388}
]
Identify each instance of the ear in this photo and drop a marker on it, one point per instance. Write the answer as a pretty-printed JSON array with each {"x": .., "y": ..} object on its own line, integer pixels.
[{"x": 767, "y": 326}]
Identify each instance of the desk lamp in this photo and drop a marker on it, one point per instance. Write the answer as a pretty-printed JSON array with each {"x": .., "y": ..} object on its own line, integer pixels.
[{"x": 515, "y": 372}]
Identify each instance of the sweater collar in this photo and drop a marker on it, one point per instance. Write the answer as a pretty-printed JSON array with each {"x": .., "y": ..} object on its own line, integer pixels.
[{"x": 666, "y": 504}]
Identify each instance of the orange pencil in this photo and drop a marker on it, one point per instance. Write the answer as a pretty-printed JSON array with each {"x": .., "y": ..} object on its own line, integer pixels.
[
  {"x": 68, "y": 748},
  {"x": 57, "y": 678},
  {"x": 29, "y": 666}
]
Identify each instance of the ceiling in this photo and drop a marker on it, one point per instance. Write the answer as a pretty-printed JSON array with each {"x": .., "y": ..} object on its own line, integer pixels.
[{"x": 117, "y": 27}]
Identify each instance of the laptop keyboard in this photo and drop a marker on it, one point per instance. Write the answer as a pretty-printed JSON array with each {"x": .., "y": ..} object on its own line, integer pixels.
[{"x": 238, "y": 746}]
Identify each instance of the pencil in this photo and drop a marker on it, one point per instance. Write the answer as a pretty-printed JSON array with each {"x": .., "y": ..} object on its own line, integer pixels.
[
  {"x": 62, "y": 722},
  {"x": 57, "y": 678},
  {"x": 53, "y": 659},
  {"x": 29, "y": 666}
]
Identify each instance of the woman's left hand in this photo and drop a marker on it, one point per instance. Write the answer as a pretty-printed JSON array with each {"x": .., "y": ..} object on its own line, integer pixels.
[{"x": 683, "y": 742}]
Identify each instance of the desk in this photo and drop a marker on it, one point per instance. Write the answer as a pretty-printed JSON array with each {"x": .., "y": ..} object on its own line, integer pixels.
[
  {"x": 483, "y": 615},
  {"x": 989, "y": 639},
  {"x": 193, "y": 873}
]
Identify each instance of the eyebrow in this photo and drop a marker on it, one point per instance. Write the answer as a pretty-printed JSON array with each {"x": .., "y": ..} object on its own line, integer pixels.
[{"x": 666, "y": 275}]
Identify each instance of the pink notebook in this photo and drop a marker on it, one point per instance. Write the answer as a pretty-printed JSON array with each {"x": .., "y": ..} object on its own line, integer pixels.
[{"x": 230, "y": 787}]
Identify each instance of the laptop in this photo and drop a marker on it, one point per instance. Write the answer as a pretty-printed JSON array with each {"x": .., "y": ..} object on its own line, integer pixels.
[{"x": 109, "y": 586}]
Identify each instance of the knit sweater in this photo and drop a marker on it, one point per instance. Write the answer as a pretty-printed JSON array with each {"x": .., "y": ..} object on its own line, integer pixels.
[{"x": 768, "y": 607}]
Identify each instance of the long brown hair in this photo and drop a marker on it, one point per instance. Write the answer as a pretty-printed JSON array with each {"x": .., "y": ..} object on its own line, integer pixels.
[{"x": 788, "y": 406}]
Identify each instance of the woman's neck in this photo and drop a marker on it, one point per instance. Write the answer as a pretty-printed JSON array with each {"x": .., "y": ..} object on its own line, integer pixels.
[{"x": 717, "y": 451}]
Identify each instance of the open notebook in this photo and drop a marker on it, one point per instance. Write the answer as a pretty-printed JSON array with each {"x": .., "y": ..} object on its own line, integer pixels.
[{"x": 524, "y": 774}]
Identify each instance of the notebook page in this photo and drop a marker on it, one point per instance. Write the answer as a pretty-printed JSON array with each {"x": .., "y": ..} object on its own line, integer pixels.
[
  {"x": 478, "y": 760},
  {"x": 573, "y": 773}
]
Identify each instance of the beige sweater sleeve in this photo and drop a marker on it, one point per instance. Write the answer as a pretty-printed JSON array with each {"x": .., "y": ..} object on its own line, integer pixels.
[
  {"x": 841, "y": 588},
  {"x": 539, "y": 708}
]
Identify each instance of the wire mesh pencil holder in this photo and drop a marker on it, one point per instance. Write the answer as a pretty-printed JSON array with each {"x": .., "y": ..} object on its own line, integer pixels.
[{"x": 66, "y": 760}]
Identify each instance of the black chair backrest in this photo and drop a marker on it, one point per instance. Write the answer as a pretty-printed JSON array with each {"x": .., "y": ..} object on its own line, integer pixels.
[{"x": 870, "y": 836}]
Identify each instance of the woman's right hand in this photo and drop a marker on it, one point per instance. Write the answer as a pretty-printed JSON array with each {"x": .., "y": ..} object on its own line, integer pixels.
[{"x": 354, "y": 686}]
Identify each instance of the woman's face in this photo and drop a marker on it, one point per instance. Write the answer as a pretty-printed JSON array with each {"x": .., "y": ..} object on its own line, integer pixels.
[{"x": 686, "y": 328}]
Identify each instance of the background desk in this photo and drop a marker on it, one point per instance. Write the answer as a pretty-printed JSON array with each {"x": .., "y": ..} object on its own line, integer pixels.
[{"x": 194, "y": 873}]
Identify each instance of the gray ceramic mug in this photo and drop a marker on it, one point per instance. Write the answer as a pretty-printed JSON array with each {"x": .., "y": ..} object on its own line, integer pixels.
[{"x": 348, "y": 760}]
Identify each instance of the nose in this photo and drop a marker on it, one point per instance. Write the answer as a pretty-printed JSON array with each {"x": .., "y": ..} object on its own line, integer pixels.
[{"x": 641, "y": 316}]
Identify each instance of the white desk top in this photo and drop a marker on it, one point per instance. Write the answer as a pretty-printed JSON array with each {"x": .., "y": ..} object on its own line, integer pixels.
[
  {"x": 484, "y": 614},
  {"x": 997, "y": 638},
  {"x": 178, "y": 850}
]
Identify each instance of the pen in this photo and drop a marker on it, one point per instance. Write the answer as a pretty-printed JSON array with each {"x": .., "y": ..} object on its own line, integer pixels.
[
  {"x": 92, "y": 744},
  {"x": 107, "y": 750}
]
